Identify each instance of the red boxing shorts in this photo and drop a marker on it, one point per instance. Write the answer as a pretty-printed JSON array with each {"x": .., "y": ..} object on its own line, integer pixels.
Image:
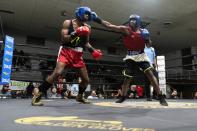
[{"x": 72, "y": 57}]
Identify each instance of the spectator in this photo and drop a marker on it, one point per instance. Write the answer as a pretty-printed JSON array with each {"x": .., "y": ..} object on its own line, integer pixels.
[
  {"x": 67, "y": 94},
  {"x": 174, "y": 94},
  {"x": 6, "y": 90},
  {"x": 132, "y": 93},
  {"x": 53, "y": 92},
  {"x": 35, "y": 89},
  {"x": 99, "y": 91},
  {"x": 139, "y": 91},
  {"x": 19, "y": 94},
  {"x": 60, "y": 86},
  {"x": 75, "y": 87},
  {"x": 100, "y": 96},
  {"x": 119, "y": 94},
  {"x": 64, "y": 88},
  {"x": 93, "y": 95},
  {"x": 195, "y": 95}
]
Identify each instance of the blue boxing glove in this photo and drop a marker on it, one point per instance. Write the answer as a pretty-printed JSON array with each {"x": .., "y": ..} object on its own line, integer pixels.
[
  {"x": 145, "y": 34},
  {"x": 95, "y": 18}
]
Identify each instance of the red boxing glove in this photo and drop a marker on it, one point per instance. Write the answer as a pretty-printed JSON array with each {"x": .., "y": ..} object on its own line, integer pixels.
[
  {"x": 82, "y": 31},
  {"x": 97, "y": 54}
]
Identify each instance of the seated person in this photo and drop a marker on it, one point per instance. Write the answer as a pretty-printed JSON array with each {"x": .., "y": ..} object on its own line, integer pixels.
[
  {"x": 174, "y": 94},
  {"x": 100, "y": 92},
  {"x": 132, "y": 93},
  {"x": 119, "y": 94},
  {"x": 195, "y": 95},
  {"x": 100, "y": 96},
  {"x": 112, "y": 95},
  {"x": 93, "y": 95},
  {"x": 67, "y": 94},
  {"x": 6, "y": 90},
  {"x": 53, "y": 92},
  {"x": 139, "y": 91},
  {"x": 64, "y": 89}
]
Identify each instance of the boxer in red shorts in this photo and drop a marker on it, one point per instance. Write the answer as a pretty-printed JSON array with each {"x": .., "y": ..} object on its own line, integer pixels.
[{"x": 75, "y": 37}]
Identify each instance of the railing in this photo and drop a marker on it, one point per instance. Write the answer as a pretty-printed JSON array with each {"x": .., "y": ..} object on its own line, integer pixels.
[
  {"x": 175, "y": 72},
  {"x": 181, "y": 74}
]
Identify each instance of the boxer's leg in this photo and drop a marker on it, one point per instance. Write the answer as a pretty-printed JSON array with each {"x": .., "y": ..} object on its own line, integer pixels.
[
  {"x": 83, "y": 85},
  {"x": 155, "y": 85},
  {"x": 36, "y": 100},
  {"x": 128, "y": 77},
  {"x": 125, "y": 86}
]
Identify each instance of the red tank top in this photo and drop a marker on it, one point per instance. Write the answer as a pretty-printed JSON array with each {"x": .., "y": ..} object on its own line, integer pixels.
[{"x": 134, "y": 41}]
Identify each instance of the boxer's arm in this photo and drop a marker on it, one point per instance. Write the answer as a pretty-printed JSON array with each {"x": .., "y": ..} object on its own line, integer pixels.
[
  {"x": 96, "y": 53},
  {"x": 155, "y": 60},
  {"x": 88, "y": 46},
  {"x": 121, "y": 28},
  {"x": 64, "y": 32},
  {"x": 155, "y": 64}
]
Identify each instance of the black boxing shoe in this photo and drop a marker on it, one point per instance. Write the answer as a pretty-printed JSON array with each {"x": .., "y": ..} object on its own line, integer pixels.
[
  {"x": 122, "y": 99},
  {"x": 81, "y": 99},
  {"x": 162, "y": 100}
]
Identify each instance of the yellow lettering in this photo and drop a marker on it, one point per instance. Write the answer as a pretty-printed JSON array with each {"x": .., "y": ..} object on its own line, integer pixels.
[
  {"x": 75, "y": 41},
  {"x": 57, "y": 124},
  {"x": 78, "y": 123},
  {"x": 65, "y": 124},
  {"x": 115, "y": 127},
  {"x": 43, "y": 123},
  {"x": 136, "y": 129},
  {"x": 149, "y": 129},
  {"x": 127, "y": 129}
]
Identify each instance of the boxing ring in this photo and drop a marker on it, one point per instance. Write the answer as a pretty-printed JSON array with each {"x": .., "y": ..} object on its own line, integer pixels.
[{"x": 101, "y": 115}]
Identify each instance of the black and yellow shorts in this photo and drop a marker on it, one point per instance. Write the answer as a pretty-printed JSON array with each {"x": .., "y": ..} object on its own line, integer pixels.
[{"x": 133, "y": 67}]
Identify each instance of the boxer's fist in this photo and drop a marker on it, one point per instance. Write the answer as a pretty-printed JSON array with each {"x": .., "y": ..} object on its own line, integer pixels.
[
  {"x": 95, "y": 18},
  {"x": 145, "y": 34},
  {"x": 82, "y": 31},
  {"x": 97, "y": 54}
]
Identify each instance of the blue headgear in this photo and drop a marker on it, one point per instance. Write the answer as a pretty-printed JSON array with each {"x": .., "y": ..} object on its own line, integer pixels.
[
  {"x": 81, "y": 11},
  {"x": 137, "y": 18}
]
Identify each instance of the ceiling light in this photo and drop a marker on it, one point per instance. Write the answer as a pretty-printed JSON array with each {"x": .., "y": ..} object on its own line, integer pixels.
[{"x": 167, "y": 23}]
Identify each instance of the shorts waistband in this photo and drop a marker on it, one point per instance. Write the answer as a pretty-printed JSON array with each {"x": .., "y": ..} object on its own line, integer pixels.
[
  {"x": 78, "y": 49},
  {"x": 130, "y": 52}
]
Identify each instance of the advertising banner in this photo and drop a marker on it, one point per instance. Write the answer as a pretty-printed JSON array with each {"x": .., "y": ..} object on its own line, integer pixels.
[{"x": 7, "y": 60}]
